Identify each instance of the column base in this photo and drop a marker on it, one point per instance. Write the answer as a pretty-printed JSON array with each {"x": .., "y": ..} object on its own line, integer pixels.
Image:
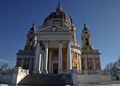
[
  {"x": 85, "y": 71},
  {"x": 39, "y": 72},
  {"x": 69, "y": 71},
  {"x": 45, "y": 72},
  {"x": 59, "y": 71},
  {"x": 36, "y": 72}
]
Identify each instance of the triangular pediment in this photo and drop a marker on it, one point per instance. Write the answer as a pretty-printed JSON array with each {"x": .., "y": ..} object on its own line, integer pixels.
[{"x": 55, "y": 29}]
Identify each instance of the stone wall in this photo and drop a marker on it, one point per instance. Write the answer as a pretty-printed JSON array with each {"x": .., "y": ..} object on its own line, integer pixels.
[
  {"x": 93, "y": 78},
  {"x": 13, "y": 77},
  {"x": 20, "y": 74},
  {"x": 6, "y": 78}
]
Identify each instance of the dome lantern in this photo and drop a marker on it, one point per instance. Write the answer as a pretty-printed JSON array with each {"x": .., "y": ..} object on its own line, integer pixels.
[{"x": 58, "y": 8}]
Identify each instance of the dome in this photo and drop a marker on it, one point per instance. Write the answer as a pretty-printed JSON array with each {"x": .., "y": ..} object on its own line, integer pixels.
[{"x": 58, "y": 17}]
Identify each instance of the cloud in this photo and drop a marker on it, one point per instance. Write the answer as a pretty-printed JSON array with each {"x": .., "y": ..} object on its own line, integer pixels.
[
  {"x": 4, "y": 61},
  {"x": 10, "y": 63}
]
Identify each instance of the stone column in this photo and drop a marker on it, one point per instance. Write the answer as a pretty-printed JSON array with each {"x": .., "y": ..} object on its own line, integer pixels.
[
  {"x": 30, "y": 64},
  {"x": 42, "y": 62},
  {"x": 99, "y": 64},
  {"x": 37, "y": 62},
  {"x": 60, "y": 58},
  {"x": 86, "y": 68},
  {"x": 94, "y": 66},
  {"x": 22, "y": 62},
  {"x": 46, "y": 58},
  {"x": 50, "y": 61},
  {"x": 69, "y": 59},
  {"x": 79, "y": 61}
]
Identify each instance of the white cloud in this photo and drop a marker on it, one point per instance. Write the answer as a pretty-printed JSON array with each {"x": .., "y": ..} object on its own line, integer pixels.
[{"x": 4, "y": 61}]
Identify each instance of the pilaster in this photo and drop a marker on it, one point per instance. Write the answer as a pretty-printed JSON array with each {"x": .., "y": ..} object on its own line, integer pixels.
[
  {"x": 86, "y": 67},
  {"x": 94, "y": 66}
]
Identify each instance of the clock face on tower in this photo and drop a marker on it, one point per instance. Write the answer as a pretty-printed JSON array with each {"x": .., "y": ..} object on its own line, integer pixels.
[{"x": 53, "y": 29}]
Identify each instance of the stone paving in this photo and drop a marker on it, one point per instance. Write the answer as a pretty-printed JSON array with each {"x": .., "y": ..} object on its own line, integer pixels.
[
  {"x": 98, "y": 85},
  {"x": 113, "y": 83}
]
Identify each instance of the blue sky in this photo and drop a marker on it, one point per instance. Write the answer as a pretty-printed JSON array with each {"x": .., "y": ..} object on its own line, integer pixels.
[{"x": 101, "y": 16}]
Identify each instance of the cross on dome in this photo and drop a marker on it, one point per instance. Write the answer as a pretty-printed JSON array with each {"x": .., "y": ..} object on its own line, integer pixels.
[{"x": 58, "y": 8}]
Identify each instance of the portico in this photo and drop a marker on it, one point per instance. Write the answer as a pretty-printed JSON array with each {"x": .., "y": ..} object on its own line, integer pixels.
[
  {"x": 53, "y": 50},
  {"x": 53, "y": 57}
]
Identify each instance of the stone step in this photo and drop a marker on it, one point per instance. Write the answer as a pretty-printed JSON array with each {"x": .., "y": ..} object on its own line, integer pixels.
[{"x": 47, "y": 79}]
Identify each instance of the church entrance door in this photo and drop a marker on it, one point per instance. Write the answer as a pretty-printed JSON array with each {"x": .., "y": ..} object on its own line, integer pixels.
[{"x": 55, "y": 68}]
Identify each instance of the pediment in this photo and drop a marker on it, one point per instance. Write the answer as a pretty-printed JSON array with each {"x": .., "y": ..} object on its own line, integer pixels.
[{"x": 54, "y": 29}]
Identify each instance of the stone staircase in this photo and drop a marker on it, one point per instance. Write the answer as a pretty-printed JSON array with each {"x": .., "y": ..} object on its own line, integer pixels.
[{"x": 47, "y": 80}]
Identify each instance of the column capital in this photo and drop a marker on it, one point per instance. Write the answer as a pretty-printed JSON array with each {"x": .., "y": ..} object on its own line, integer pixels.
[
  {"x": 46, "y": 41},
  {"x": 68, "y": 41},
  {"x": 60, "y": 41},
  {"x": 38, "y": 41}
]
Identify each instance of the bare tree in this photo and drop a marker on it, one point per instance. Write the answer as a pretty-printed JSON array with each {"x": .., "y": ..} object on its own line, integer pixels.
[
  {"x": 114, "y": 69},
  {"x": 3, "y": 67},
  {"x": 108, "y": 67},
  {"x": 119, "y": 62}
]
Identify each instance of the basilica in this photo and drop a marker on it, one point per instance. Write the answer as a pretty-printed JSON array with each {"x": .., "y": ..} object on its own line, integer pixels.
[
  {"x": 53, "y": 48},
  {"x": 53, "y": 57}
]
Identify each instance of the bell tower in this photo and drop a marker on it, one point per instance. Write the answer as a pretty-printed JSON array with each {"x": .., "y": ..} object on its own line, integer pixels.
[
  {"x": 30, "y": 42},
  {"x": 86, "y": 38},
  {"x": 90, "y": 56},
  {"x": 25, "y": 57}
]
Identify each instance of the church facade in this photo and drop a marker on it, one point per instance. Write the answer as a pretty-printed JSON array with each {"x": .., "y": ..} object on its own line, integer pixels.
[{"x": 53, "y": 48}]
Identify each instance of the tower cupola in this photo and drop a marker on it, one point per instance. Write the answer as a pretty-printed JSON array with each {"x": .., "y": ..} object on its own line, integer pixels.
[{"x": 30, "y": 40}]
